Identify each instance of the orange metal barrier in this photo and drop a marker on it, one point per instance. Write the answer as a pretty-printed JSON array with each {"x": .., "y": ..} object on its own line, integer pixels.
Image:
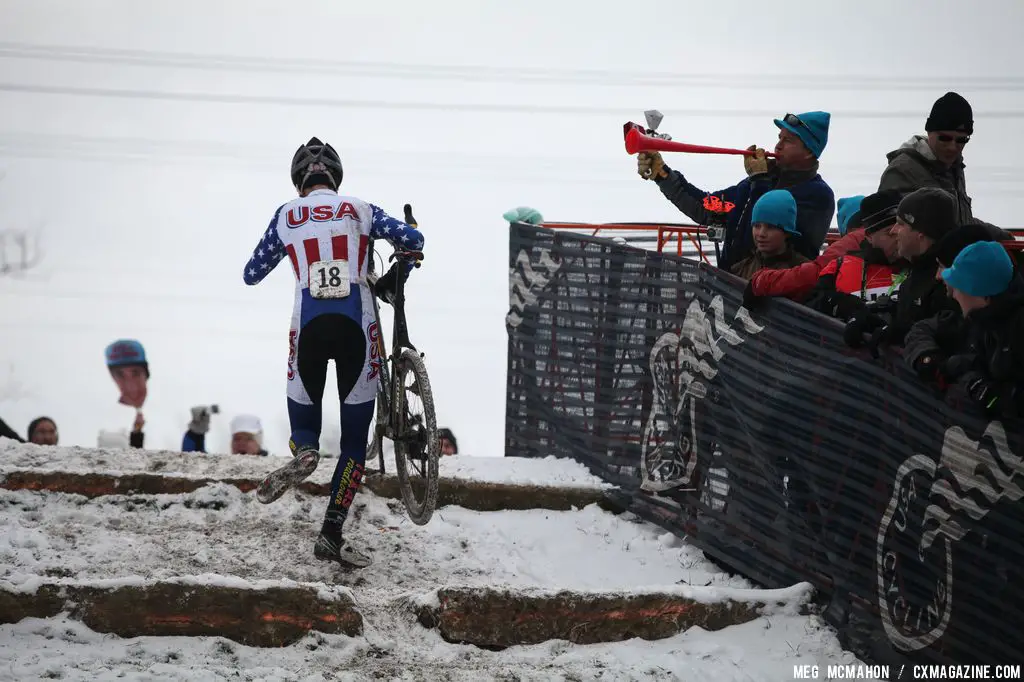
[{"x": 668, "y": 234}]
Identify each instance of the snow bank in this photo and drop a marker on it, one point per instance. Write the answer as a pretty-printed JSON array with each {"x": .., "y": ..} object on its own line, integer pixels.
[{"x": 761, "y": 651}]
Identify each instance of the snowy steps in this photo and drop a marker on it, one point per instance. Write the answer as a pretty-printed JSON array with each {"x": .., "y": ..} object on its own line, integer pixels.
[
  {"x": 500, "y": 618},
  {"x": 170, "y": 544},
  {"x": 269, "y": 616},
  {"x": 475, "y": 495},
  {"x": 282, "y": 614}
]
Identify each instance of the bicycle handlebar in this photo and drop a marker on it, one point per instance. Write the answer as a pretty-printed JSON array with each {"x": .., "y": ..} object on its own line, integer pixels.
[{"x": 407, "y": 255}]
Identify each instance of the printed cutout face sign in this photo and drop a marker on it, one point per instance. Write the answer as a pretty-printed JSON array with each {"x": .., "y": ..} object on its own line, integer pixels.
[
  {"x": 131, "y": 381},
  {"x": 126, "y": 360}
]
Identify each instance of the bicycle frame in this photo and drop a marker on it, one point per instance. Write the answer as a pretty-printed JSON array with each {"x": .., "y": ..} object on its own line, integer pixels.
[{"x": 387, "y": 386}]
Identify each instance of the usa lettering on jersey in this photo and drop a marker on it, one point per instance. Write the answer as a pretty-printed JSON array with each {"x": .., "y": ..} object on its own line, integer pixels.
[{"x": 300, "y": 215}]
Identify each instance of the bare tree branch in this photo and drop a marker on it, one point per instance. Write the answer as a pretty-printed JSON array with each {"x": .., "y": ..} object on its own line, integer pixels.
[{"x": 19, "y": 251}]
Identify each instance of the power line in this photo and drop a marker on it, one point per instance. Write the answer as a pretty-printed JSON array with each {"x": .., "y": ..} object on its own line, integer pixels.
[
  {"x": 481, "y": 73},
  {"x": 600, "y": 170},
  {"x": 474, "y": 107}
]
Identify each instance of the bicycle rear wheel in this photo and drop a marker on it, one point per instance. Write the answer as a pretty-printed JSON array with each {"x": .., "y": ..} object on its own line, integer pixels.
[{"x": 416, "y": 444}]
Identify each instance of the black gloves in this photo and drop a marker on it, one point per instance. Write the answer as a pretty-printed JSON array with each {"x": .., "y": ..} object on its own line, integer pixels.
[
  {"x": 928, "y": 366},
  {"x": 957, "y": 366},
  {"x": 750, "y": 299},
  {"x": 864, "y": 327},
  {"x": 980, "y": 389},
  {"x": 387, "y": 286}
]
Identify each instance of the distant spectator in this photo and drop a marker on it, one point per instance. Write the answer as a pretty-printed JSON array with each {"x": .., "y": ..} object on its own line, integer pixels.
[
  {"x": 7, "y": 432},
  {"x": 195, "y": 436},
  {"x": 950, "y": 246},
  {"x": 42, "y": 431},
  {"x": 936, "y": 159},
  {"x": 137, "y": 437},
  {"x": 848, "y": 210},
  {"x": 865, "y": 274},
  {"x": 802, "y": 140},
  {"x": 981, "y": 351},
  {"x": 246, "y": 432},
  {"x": 449, "y": 446},
  {"x": 923, "y": 218},
  {"x": 920, "y": 342},
  {"x": 247, "y": 435},
  {"x": 773, "y": 228},
  {"x": 878, "y": 210}
]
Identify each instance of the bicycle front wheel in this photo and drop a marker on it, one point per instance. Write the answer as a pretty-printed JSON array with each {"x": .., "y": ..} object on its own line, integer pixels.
[{"x": 416, "y": 444}]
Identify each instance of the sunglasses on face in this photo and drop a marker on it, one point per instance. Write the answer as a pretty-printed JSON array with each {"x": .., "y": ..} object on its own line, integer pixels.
[
  {"x": 794, "y": 120},
  {"x": 959, "y": 140}
]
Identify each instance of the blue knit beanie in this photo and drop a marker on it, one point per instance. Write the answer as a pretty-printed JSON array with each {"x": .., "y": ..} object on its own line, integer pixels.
[
  {"x": 981, "y": 269},
  {"x": 778, "y": 208},
  {"x": 849, "y": 212},
  {"x": 811, "y": 127}
]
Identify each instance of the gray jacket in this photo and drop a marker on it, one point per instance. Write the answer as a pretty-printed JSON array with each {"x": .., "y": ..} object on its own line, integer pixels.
[{"x": 914, "y": 166}]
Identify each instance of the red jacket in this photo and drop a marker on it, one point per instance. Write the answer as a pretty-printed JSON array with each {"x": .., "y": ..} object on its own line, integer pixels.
[
  {"x": 852, "y": 276},
  {"x": 796, "y": 283}
]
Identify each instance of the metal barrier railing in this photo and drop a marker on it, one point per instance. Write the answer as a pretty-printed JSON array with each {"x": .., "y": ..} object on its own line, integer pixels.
[{"x": 690, "y": 240}]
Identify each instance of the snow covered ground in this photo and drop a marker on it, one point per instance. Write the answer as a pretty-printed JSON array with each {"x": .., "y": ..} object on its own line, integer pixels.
[
  {"x": 549, "y": 471},
  {"x": 219, "y": 532}
]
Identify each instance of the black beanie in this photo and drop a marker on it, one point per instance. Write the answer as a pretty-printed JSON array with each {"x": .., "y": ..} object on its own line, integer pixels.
[
  {"x": 930, "y": 211},
  {"x": 35, "y": 423},
  {"x": 950, "y": 246},
  {"x": 951, "y": 112},
  {"x": 878, "y": 210}
]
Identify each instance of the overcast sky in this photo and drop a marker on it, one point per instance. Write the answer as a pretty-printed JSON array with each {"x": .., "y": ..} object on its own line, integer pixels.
[{"x": 148, "y": 146}]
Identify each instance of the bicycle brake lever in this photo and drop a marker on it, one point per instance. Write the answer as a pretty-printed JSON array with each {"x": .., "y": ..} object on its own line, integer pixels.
[{"x": 407, "y": 255}]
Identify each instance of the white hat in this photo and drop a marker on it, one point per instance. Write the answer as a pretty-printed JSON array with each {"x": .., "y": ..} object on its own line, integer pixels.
[
  {"x": 247, "y": 423},
  {"x": 112, "y": 440}
]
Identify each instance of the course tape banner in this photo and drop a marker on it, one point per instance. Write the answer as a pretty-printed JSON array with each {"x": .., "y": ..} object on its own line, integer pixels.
[{"x": 782, "y": 453}]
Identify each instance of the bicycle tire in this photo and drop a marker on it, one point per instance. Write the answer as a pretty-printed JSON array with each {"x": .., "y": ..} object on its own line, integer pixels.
[{"x": 419, "y": 511}]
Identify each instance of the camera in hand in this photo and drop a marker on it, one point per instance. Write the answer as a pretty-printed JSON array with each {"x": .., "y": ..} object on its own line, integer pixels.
[
  {"x": 716, "y": 233},
  {"x": 717, "y": 209}
]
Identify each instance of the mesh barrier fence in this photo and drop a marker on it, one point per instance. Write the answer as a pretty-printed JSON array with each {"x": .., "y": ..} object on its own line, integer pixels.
[{"x": 783, "y": 454}]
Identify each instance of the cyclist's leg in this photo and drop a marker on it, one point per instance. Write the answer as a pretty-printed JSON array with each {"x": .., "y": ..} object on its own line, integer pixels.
[
  {"x": 307, "y": 373},
  {"x": 306, "y": 382},
  {"x": 349, "y": 358}
]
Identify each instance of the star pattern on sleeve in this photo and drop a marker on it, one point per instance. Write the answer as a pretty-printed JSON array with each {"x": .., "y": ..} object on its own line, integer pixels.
[
  {"x": 394, "y": 231},
  {"x": 267, "y": 254}
]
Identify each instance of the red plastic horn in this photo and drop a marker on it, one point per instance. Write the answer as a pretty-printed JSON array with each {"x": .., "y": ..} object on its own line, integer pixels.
[{"x": 637, "y": 141}]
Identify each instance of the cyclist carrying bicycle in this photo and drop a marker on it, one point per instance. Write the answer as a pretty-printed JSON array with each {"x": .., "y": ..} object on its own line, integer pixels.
[{"x": 326, "y": 236}]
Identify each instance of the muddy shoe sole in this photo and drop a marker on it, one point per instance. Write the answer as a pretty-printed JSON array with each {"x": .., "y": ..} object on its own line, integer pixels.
[
  {"x": 291, "y": 474},
  {"x": 345, "y": 555}
]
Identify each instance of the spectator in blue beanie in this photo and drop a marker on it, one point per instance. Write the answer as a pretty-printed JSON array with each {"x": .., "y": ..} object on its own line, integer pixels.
[
  {"x": 982, "y": 352},
  {"x": 802, "y": 140},
  {"x": 773, "y": 229},
  {"x": 849, "y": 212}
]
